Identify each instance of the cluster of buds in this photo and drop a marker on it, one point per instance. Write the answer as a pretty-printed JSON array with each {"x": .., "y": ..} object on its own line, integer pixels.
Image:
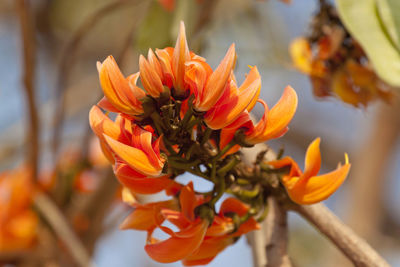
[
  {"x": 191, "y": 118},
  {"x": 335, "y": 62}
]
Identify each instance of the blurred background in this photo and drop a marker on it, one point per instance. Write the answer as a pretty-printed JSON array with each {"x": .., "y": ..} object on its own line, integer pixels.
[{"x": 70, "y": 36}]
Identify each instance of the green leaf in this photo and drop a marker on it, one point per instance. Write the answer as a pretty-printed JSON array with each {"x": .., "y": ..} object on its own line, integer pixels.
[
  {"x": 377, "y": 35},
  {"x": 389, "y": 13}
]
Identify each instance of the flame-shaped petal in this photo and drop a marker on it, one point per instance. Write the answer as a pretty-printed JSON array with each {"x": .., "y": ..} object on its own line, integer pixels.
[
  {"x": 234, "y": 101},
  {"x": 134, "y": 157},
  {"x": 147, "y": 217},
  {"x": 307, "y": 187},
  {"x": 216, "y": 83},
  {"x": 117, "y": 89},
  {"x": 180, "y": 57},
  {"x": 274, "y": 122},
  {"x": 176, "y": 248},
  {"x": 150, "y": 78},
  {"x": 318, "y": 188}
]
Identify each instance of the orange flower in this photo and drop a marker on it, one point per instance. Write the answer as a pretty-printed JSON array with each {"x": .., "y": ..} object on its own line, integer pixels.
[
  {"x": 274, "y": 122},
  {"x": 121, "y": 94},
  {"x": 272, "y": 125},
  {"x": 136, "y": 158},
  {"x": 307, "y": 187},
  {"x": 147, "y": 217},
  {"x": 234, "y": 101},
  {"x": 151, "y": 74},
  {"x": 220, "y": 234},
  {"x": 192, "y": 230},
  {"x": 209, "y": 86},
  {"x": 18, "y": 223}
]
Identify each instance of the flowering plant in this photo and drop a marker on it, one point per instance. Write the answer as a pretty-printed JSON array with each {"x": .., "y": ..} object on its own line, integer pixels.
[{"x": 191, "y": 118}]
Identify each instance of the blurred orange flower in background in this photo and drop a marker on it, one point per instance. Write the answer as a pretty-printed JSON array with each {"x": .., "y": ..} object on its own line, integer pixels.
[{"x": 18, "y": 222}]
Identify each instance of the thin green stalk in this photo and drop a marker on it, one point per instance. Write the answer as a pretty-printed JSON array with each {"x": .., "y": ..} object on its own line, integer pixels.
[
  {"x": 158, "y": 123},
  {"x": 206, "y": 136},
  {"x": 227, "y": 167},
  {"x": 225, "y": 149},
  {"x": 220, "y": 186}
]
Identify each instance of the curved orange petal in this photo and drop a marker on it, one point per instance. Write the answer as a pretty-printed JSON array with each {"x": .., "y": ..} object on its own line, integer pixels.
[
  {"x": 318, "y": 188},
  {"x": 188, "y": 201},
  {"x": 209, "y": 248},
  {"x": 177, "y": 248},
  {"x": 235, "y": 103},
  {"x": 274, "y": 123},
  {"x": 216, "y": 83},
  {"x": 141, "y": 139},
  {"x": 233, "y": 205},
  {"x": 180, "y": 57},
  {"x": 101, "y": 124},
  {"x": 134, "y": 157},
  {"x": 149, "y": 77},
  {"x": 139, "y": 183},
  {"x": 105, "y": 104},
  {"x": 313, "y": 159},
  {"x": 196, "y": 75},
  {"x": 147, "y": 217},
  {"x": 287, "y": 161},
  {"x": 165, "y": 58},
  {"x": 250, "y": 225},
  {"x": 116, "y": 88}
]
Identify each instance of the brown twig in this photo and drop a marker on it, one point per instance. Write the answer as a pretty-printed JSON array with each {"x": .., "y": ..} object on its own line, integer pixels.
[
  {"x": 68, "y": 59},
  {"x": 29, "y": 49},
  {"x": 276, "y": 235},
  {"x": 58, "y": 223},
  {"x": 353, "y": 246}
]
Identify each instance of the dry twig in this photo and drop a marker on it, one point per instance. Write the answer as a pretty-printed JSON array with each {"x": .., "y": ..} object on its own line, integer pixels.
[
  {"x": 59, "y": 224},
  {"x": 353, "y": 246},
  {"x": 276, "y": 235},
  {"x": 29, "y": 49},
  {"x": 68, "y": 59}
]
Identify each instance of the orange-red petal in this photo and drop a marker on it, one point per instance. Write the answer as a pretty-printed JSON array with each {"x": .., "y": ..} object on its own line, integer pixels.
[{"x": 177, "y": 248}]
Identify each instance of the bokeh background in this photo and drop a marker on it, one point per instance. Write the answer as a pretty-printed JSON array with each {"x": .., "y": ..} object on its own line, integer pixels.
[{"x": 71, "y": 35}]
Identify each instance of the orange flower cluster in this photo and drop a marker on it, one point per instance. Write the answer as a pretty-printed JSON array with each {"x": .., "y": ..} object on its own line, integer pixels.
[
  {"x": 336, "y": 63},
  {"x": 188, "y": 118},
  {"x": 200, "y": 238},
  {"x": 18, "y": 222}
]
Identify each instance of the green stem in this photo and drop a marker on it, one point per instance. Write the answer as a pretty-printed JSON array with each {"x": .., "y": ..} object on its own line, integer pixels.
[
  {"x": 188, "y": 114},
  {"x": 182, "y": 164},
  {"x": 206, "y": 136},
  {"x": 192, "y": 123},
  {"x": 263, "y": 215},
  {"x": 225, "y": 149},
  {"x": 213, "y": 170},
  {"x": 158, "y": 123},
  {"x": 227, "y": 167},
  {"x": 220, "y": 186}
]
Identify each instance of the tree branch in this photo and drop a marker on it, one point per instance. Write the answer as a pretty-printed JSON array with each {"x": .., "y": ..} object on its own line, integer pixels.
[
  {"x": 276, "y": 235},
  {"x": 29, "y": 47},
  {"x": 59, "y": 224},
  {"x": 353, "y": 246},
  {"x": 68, "y": 59}
]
